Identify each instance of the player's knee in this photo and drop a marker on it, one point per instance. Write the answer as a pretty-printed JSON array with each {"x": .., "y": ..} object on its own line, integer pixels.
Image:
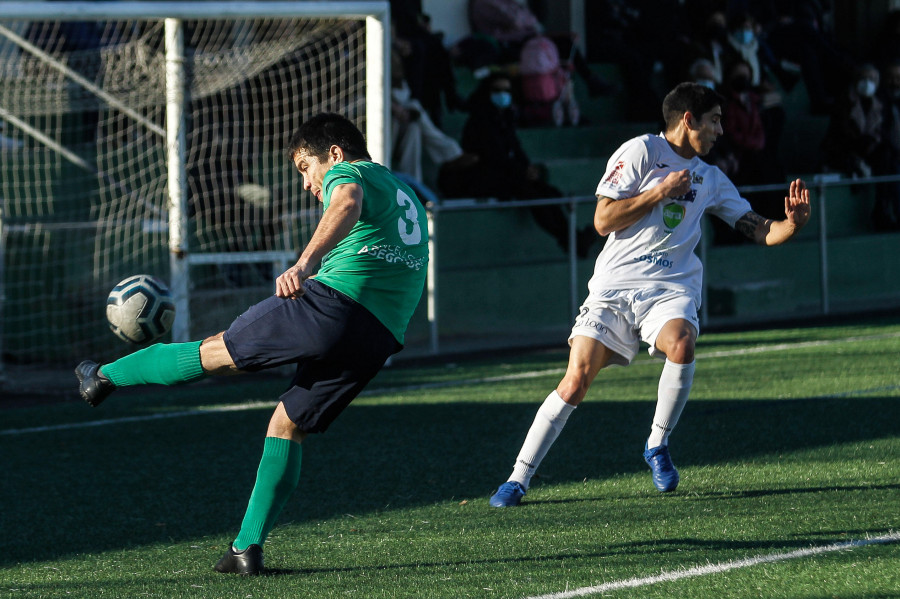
[
  {"x": 573, "y": 389},
  {"x": 681, "y": 351},
  {"x": 281, "y": 426},
  {"x": 214, "y": 356}
]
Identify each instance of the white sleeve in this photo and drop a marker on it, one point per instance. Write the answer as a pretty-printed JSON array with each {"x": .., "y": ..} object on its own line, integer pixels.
[
  {"x": 625, "y": 170},
  {"x": 728, "y": 204}
]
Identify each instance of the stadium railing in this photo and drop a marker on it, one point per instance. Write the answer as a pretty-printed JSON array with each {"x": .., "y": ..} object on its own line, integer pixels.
[{"x": 511, "y": 291}]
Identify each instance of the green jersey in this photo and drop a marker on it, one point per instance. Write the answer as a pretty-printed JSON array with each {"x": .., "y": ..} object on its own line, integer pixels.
[{"x": 382, "y": 262}]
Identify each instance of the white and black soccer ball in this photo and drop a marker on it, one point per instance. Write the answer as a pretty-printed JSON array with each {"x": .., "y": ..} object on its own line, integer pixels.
[{"x": 140, "y": 309}]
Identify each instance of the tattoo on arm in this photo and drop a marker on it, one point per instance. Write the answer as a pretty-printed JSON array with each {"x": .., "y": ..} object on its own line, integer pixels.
[{"x": 748, "y": 224}]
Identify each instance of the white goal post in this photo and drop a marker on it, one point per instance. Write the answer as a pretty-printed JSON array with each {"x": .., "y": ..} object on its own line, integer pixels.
[{"x": 149, "y": 137}]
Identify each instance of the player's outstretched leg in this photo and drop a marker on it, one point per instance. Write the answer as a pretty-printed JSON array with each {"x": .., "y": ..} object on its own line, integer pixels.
[
  {"x": 161, "y": 364},
  {"x": 549, "y": 421},
  {"x": 92, "y": 385}
]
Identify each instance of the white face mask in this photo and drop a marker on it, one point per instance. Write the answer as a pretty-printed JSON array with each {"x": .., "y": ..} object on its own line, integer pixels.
[
  {"x": 707, "y": 83},
  {"x": 865, "y": 88},
  {"x": 401, "y": 94}
]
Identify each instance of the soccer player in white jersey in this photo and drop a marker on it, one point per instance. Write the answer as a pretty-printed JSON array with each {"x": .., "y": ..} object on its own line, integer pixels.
[{"x": 647, "y": 280}]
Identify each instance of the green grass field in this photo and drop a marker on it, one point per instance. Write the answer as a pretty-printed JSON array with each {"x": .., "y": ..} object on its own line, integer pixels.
[{"x": 789, "y": 450}]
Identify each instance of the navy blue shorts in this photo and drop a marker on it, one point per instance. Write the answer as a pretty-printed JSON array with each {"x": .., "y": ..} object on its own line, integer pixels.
[{"x": 338, "y": 347}]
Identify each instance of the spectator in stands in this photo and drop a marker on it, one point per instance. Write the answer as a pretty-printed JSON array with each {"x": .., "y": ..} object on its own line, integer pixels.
[
  {"x": 413, "y": 132},
  {"x": 743, "y": 153},
  {"x": 750, "y": 50},
  {"x": 798, "y": 41},
  {"x": 504, "y": 170},
  {"x": 755, "y": 118},
  {"x": 746, "y": 41},
  {"x": 546, "y": 91},
  {"x": 508, "y": 24},
  {"x": 854, "y": 132},
  {"x": 639, "y": 37},
  {"x": 886, "y": 214},
  {"x": 745, "y": 137},
  {"x": 426, "y": 61},
  {"x": 710, "y": 44},
  {"x": 703, "y": 72}
]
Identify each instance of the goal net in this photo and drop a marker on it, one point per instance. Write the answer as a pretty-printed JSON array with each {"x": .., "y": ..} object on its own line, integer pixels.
[{"x": 150, "y": 138}]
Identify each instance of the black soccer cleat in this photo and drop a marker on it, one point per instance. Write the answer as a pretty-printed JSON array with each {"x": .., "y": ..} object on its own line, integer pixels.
[
  {"x": 248, "y": 562},
  {"x": 93, "y": 386}
]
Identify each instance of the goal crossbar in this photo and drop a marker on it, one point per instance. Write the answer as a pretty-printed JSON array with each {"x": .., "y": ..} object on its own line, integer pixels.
[{"x": 137, "y": 10}]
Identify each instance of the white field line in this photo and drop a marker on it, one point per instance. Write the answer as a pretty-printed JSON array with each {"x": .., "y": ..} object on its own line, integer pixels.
[
  {"x": 215, "y": 409},
  {"x": 706, "y": 570}
]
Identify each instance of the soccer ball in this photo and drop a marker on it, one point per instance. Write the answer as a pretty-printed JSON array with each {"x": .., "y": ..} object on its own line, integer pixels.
[{"x": 140, "y": 309}]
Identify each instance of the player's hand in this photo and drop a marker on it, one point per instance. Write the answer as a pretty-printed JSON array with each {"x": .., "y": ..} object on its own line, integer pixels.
[
  {"x": 290, "y": 283},
  {"x": 796, "y": 204},
  {"x": 678, "y": 183}
]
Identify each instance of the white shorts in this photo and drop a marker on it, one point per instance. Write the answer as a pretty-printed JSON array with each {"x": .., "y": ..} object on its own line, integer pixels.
[{"x": 621, "y": 318}]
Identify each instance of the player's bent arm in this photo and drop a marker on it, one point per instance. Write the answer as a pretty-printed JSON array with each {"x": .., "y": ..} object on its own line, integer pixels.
[
  {"x": 343, "y": 212},
  {"x": 765, "y": 231},
  {"x": 615, "y": 215}
]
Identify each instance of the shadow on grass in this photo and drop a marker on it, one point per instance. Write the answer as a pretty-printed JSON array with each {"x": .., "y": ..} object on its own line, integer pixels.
[
  {"x": 109, "y": 488},
  {"x": 731, "y": 494},
  {"x": 664, "y": 547},
  {"x": 684, "y": 546}
]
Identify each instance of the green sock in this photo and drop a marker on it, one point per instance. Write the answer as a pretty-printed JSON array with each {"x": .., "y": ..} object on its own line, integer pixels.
[
  {"x": 163, "y": 364},
  {"x": 276, "y": 479}
]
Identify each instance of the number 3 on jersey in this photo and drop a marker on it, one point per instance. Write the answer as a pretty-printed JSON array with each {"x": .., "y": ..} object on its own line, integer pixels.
[{"x": 408, "y": 224}]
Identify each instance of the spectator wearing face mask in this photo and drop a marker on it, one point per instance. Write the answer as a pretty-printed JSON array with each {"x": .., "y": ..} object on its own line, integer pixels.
[
  {"x": 741, "y": 153},
  {"x": 414, "y": 134},
  {"x": 854, "y": 132},
  {"x": 504, "y": 171}
]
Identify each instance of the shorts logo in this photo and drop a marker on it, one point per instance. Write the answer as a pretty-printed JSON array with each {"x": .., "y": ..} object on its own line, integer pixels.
[
  {"x": 673, "y": 214},
  {"x": 583, "y": 320}
]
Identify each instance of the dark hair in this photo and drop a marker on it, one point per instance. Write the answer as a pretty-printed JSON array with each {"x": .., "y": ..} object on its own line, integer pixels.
[
  {"x": 689, "y": 97},
  {"x": 317, "y": 134}
]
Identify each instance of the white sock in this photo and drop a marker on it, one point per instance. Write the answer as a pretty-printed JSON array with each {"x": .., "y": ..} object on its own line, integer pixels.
[
  {"x": 548, "y": 423},
  {"x": 674, "y": 388}
]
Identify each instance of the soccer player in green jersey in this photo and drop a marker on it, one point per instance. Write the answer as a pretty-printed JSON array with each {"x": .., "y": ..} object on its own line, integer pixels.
[{"x": 338, "y": 327}]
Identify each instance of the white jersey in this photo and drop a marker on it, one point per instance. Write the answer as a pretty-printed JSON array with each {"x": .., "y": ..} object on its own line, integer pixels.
[{"x": 658, "y": 250}]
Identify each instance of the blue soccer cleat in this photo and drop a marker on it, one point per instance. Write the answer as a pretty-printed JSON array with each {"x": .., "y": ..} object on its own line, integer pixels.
[
  {"x": 665, "y": 476},
  {"x": 509, "y": 494}
]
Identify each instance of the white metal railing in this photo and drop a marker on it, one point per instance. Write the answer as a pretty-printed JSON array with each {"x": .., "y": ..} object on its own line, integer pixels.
[{"x": 818, "y": 188}]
